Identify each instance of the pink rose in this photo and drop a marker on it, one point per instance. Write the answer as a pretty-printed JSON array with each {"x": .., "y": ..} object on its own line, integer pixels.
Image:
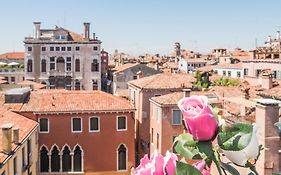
[
  {"x": 157, "y": 164},
  {"x": 198, "y": 117},
  {"x": 201, "y": 167}
]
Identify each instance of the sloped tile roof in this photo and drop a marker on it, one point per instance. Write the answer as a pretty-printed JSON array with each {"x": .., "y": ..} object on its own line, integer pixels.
[
  {"x": 124, "y": 67},
  {"x": 74, "y": 101},
  {"x": 164, "y": 81},
  {"x": 13, "y": 55},
  {"x": 25, "y": 126},
  {"x": 173, "y": 98}
]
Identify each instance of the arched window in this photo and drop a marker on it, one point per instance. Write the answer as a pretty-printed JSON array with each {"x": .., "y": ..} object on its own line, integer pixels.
[
  {"x": 60, "y": 64},
  {"x": 77, "y": 65},
  {"x": 44, "y": 160},
  {"x": 66, "y": 159},
  {"x": 77, "y": 159},
  {"x": 55, "y": 160},
  {"x": 77, "y": 85},
  {"x": 122, "y": 158},
  {"x": 43, "y": 65},
  {"x": 29, "y": 66}
]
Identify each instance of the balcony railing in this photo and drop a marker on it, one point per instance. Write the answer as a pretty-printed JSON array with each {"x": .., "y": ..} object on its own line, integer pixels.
[
  {"x": 60, "y": 73},
  {"x": 11, "y": 70}
]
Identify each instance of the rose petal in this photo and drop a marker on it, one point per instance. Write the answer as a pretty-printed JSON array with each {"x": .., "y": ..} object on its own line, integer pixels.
[{"x": 170, "y": 163}]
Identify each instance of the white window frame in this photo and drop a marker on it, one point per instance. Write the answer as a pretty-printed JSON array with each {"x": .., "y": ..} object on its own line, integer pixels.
[
  {"x": 125, "y": 125},
  {"x": 173, "y": 117},
  {"x": 98, "y": 124},
  {"x": 72, "y": 125},
  {"x": 48, "y": 125}
]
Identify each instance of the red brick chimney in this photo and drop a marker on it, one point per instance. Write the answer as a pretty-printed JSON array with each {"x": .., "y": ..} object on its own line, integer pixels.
[{"x": 267, "y": 113}]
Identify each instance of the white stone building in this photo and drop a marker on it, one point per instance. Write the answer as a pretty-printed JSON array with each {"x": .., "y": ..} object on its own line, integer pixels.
[
  {"x": 61, "y": 58},
  {"x": 230, "y": 70},
  {"x": 190, "y": 65}
]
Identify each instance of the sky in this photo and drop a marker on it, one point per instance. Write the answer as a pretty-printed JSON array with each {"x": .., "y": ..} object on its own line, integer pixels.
[{"x": 146, "y": 26}]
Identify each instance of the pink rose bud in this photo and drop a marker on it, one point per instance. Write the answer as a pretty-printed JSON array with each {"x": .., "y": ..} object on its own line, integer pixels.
[{"x": 198, "y": 117}]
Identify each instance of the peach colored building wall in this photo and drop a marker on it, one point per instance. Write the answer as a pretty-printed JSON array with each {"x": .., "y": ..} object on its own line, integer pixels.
[
  {"x": 164, "y": 127},
  {"x": 141, "y": 102},
  {"x": 99, "y": 148},
  {"x": 254, "y": 65},
  {"x": 268, "y": 135}
]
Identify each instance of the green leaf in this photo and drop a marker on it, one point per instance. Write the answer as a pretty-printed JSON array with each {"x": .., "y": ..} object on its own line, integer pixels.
[
  {"x": 235, "y": 137},
  {"x": 229, "y": 168},
  {"x": 206, "y": 151},
  {"x": 186, "y": 169},
  {"x": 278, "y": 124},
  {"x": 185, "y": 145}
]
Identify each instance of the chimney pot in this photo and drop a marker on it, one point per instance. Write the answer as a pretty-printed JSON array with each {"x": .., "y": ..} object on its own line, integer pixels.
[
  {"x": 186, "y": 92},
  {"x": 7, "y": 138},
  {"x": 37, "y": 30},
  {"x": 86, "y": 30}
]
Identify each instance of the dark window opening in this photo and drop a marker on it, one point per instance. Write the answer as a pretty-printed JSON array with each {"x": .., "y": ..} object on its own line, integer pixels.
[
  {"x": 43, "y": 65},
  {"x": 122, "y": 123},
  {"x": 66, "y": 160},
  {"x": 55, "y": 160},
  {"x": 44, "y": 160},
  {"x": 77, "y": 159},
  {"x": 29, "y": 66},
  {"x": 77, "y": 65},
  {"x": 95, "y": 65},
  {"x": 122, "y": 158}
]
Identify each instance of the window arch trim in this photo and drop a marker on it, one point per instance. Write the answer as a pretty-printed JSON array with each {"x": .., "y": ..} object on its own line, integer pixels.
[{"x": 117, "y": 157}]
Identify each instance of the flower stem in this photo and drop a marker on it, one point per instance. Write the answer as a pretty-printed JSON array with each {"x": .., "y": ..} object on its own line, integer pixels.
[
  {"x": 253, "y": 168},
  {"x": 218, "y": 166}
]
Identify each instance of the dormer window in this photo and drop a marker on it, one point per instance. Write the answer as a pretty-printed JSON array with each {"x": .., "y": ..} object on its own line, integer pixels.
[{"x": 60, "y": 37}]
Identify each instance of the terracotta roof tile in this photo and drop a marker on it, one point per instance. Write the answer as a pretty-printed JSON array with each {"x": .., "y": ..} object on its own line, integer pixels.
[
  {"x": 75, "y": 36},
  {"x": 13, "y": 55},
  {"x": 74, "y": 101},
  {"x": 124, "y": 67},
  {"x": 24, "y": 124},
  {"x": 173, "y": 98},
  {"x": 164, "y": 81}
]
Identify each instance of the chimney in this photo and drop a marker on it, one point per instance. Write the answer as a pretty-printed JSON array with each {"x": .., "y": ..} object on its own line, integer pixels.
[
  {"x": 86, "y": 30},
  {"x": 140, "y": 74},
  {"x": 278, "y": 35},
  {"x": 267, "y": 114},
  {"x": 266, "y": 82},
  {"x": 37, "y": 30},
  {"x": 16, "y": 135},
  {"x": 94, "y": 36},
  {"x": 186, "y": 92},
  {"x": 7, "y": 138}
]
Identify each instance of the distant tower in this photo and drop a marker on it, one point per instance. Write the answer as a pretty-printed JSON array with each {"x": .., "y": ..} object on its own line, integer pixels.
[{"x": 177, "y": 51}]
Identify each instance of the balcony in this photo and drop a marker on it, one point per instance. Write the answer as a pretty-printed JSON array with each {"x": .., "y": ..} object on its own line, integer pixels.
[
  {"x": 60, "y": 73},
  {"x": 11, "y": 71}
]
